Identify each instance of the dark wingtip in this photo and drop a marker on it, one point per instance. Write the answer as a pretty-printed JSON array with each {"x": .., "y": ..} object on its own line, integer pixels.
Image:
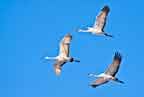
[
  {"x": 68, "y": 35},
  {"x": 106, "y": 8},
  {"x": 122, "y": 82},
  {"x": 93, "y": 85},
  {"x": 118, "y": 56}
]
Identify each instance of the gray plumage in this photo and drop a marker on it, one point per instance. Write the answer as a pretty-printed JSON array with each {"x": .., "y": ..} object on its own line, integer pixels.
[{"x": 110, "y": 73}]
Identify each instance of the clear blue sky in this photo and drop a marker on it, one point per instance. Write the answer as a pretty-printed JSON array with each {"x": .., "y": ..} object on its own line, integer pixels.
[{"x": 30, "y": 29}]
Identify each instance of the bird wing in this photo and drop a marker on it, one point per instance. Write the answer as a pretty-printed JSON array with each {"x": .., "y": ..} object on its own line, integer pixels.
[
  {"x": 65, "y": 45},
  {"x": 99, "y": 81},
  {"x": 114, "y": 67},
  {"x": 57, "y": 66},
  {"x": 101, "y": 18}
]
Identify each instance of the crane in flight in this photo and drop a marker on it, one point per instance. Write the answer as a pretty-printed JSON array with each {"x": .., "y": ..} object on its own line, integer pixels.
[
  {"x": 64, "y": 54},
  {"x": 109, "y": 74},
  {"x": 100, "y": 23}
]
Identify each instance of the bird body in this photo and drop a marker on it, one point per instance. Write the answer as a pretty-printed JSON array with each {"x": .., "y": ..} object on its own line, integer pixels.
[{"x": 106, "y": 76}]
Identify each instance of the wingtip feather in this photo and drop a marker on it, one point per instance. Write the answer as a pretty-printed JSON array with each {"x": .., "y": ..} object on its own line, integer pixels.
[
  {"x": 58, "y": 71},
  {"x": 106, "y": 8},
  {"x": 93, "y": 85},
  {"x": 68, "y": 35},
  {"x": 117, "y": 56}
]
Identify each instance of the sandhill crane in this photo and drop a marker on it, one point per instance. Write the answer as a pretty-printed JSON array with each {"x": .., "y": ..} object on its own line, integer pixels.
[
  {"x": 100, "y": 22},
  {"x": 63, "y": 56},
  {"x": 110, "y": 73}
]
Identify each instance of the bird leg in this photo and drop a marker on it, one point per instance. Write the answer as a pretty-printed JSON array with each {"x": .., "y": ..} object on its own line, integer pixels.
[
  {"x": 119, "y": 81},
  {"x": 75, "y": 60},
  {"x": 108, "y": 35},
  {"x": 71, "y": 59}
]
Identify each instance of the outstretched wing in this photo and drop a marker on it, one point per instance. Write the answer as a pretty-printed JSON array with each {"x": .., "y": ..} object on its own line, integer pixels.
[
  {"x": 57, "y": 67},
  {"x": 99, "y": 81},
  {"x": 114, "y": 67},
  {"x": 65, "y": 45},
  {"x": 101, "y": 18}
]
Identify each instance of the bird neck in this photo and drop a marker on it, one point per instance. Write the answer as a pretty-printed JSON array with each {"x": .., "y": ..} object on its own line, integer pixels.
[{"x": 50, "y": 58}]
